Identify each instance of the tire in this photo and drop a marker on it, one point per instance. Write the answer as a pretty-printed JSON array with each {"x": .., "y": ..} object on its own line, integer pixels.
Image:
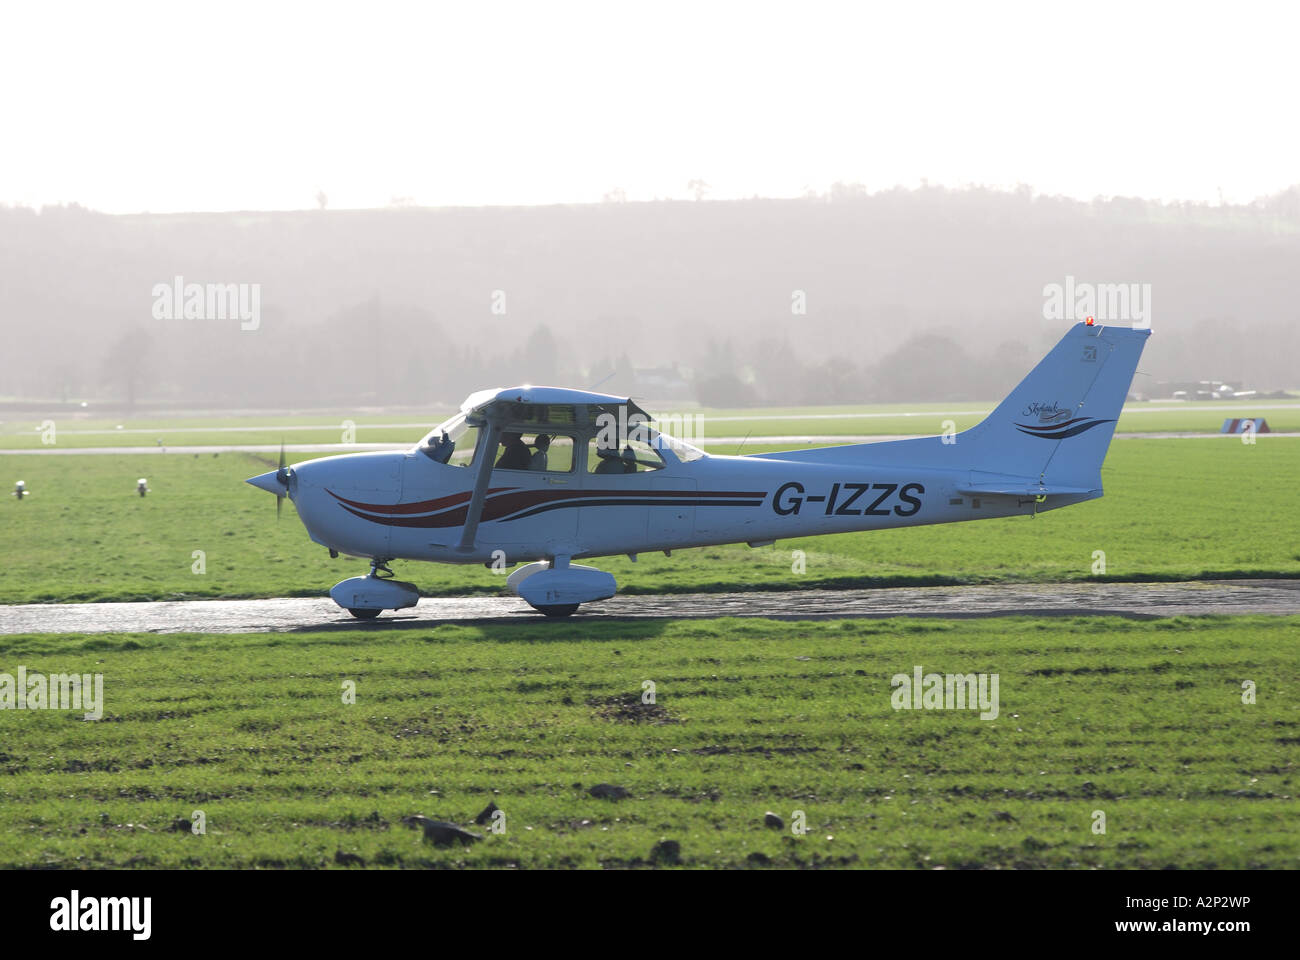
[
  {"x": 364, "y": 613},
  {"x": 557, "y": 609}
]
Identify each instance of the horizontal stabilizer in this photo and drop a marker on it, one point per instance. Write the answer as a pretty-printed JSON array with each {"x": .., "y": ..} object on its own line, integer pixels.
[{"x": 1022, "y": 487}]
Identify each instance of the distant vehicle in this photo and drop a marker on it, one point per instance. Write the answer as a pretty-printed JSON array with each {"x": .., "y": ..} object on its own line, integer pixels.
[{"x": 608, "y": 483}]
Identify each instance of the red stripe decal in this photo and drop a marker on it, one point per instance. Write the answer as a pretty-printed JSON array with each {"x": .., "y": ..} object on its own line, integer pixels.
[{"x": 423, "y": 506}]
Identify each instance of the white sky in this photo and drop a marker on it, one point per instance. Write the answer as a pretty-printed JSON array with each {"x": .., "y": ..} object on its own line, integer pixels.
[{"x": 126, "y": 107}]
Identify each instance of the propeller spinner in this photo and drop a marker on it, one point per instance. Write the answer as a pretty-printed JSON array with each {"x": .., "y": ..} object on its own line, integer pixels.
[{"x": 277, "y": 482}]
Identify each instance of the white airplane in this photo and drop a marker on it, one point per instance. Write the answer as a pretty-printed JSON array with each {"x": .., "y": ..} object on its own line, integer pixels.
[{"x": 601, "y": 481}]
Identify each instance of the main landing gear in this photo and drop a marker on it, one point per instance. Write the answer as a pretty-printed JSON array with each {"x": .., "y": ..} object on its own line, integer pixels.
[
  {"x": 556, "y": 588},
  {"x": 558, "y": 610},
  {"x": 366, "y": 597}
]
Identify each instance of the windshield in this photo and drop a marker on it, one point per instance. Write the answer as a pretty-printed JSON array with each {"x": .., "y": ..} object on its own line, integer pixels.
[
  {"x": 682, "y": 450},
  {"x": 451, "y": 442}
]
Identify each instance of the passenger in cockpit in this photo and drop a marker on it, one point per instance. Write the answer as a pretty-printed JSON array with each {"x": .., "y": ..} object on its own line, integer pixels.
[{"x": 539, "y": 459}]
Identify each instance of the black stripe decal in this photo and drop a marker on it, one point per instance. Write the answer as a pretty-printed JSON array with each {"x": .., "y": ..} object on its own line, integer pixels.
[
  {"x": 1063, "y": 434},
  {"x": 1051, "y": 426},
  {"x": 630, "y": 503}
]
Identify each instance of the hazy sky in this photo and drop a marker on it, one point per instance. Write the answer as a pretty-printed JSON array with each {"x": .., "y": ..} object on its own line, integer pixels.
[{"x": 127, "y": 107}]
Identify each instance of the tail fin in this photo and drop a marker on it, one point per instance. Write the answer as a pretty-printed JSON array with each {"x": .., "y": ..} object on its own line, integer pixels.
[
  {"x": 1051, "y": 431},
  {"x": 1056, "y": 426}
]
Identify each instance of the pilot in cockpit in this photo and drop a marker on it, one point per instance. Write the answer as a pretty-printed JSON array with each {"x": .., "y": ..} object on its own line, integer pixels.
[
  {"x": 441, "y": 449},
  {"x": 611, "y": 461},
  {"x": 516, "y": 455}
]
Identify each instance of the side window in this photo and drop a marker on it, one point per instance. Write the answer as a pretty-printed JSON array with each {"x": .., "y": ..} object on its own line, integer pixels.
[
  {"x": 552, "y": 453},
  {"x": 541, "y": 452},
  {"x": 636, "y": 456}
]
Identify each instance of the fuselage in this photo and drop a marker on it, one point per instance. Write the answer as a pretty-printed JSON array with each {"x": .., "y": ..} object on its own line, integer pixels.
[
  {"x": 543, "y": 476},
  {"x": 403, "y": 505}
]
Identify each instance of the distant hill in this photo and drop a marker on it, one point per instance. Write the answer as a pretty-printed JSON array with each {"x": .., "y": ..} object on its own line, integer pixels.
[{"x": 907, "y": 295}]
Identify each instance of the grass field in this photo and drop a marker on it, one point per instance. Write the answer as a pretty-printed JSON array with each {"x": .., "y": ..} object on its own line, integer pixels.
[
  {"x": 408, "y": 426},
  {"x": 1174, "y": 509},
  {"x": 1143, "y": 721}
]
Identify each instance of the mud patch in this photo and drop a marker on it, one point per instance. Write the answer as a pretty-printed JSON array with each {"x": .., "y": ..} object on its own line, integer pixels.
[
  {"x": 628, "y": 708},
  {"x": 716, "y": 749}
]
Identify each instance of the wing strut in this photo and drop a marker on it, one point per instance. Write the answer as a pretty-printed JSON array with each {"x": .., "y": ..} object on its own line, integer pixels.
[{"x": 474, "y": 513}]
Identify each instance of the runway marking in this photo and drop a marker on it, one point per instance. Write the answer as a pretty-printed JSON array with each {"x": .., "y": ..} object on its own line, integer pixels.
[
  {"x": 738, "y": 418},
  {"x": 341, "y": 448},
  {"x": 423, "y": 427}
]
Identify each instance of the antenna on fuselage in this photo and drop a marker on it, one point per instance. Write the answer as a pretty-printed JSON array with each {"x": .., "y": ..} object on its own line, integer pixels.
[{"x": 592, "y": 388}]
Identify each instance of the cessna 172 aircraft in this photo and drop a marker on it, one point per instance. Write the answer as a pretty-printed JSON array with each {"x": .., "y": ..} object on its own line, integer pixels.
[{"x": 600, "y": 481}]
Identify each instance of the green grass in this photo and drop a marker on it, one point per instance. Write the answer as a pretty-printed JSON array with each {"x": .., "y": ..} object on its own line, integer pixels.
[
  {"x": 408, "y": 426},
  {"x": 1174, "y": 509},
  {"x": 1140, "y": 720}
]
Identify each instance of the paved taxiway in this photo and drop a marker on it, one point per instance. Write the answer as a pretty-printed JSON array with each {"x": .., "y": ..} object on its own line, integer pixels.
[{"x": 256, "y": 616}]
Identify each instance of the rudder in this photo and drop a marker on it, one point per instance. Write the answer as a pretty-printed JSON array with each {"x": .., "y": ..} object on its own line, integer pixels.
[{"x": 1057, "y": 424}]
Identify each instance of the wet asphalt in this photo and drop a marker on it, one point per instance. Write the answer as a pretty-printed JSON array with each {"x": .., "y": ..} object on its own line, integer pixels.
[{"x": 1142, "y": 601}]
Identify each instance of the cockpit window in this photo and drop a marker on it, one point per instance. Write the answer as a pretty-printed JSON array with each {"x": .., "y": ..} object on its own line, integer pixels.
[
  {"x": 635, "y": 456},
  {"x": 541, "y": 452},
  {"x": 454, "y": 443},
  {"x": 534, "y": 414}
]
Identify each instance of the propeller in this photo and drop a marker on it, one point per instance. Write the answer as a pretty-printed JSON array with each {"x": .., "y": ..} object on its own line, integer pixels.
[
  {"x": 279, "y": 481},
  {"x": 281, "y": 475}
]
